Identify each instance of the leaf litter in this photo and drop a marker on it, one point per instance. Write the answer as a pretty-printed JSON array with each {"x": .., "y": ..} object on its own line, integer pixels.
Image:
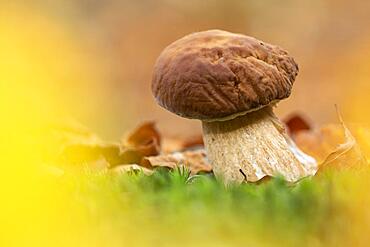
[{"x": 145, "y": 148}]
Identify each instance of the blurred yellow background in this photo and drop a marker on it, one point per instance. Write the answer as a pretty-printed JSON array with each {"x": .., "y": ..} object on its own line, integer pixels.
[{"x": 92, "y": 60}]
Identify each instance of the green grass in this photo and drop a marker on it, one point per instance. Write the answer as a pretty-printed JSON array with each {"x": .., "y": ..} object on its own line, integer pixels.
[{"x": 169, "y": 208}]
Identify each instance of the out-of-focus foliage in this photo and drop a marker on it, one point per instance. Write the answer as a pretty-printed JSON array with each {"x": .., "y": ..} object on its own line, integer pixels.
[
  {"x": 75, "y": 146},
  {"x": 320, "y": 143}
]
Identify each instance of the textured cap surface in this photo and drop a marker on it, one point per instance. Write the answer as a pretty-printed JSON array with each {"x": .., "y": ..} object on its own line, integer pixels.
[{"x": 215, "y": 74}]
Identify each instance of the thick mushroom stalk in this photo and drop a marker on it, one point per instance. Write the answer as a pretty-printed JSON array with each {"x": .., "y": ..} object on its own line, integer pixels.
[{"x": 253, "y": 146}]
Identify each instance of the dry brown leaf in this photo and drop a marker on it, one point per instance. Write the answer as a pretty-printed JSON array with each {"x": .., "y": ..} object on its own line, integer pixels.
[
  {"x": 196, "y": 161},
  {"x": 145, "y": 139},
  {"x": 333, "y": 146},
  {"x": 321, "y": 142},
  {"x": 347, "y": 155}
]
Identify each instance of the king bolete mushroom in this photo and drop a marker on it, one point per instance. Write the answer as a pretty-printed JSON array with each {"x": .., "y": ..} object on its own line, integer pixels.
[{"x": 231, "y": 83}]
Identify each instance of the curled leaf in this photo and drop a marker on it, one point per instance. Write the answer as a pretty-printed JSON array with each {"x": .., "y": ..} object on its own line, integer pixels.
[
  {"x": 333, "y": 146},
  {"x": 319, "y": 143},
  {"x": 347, "y": 154},
  {"x": 145, "y": 139}
]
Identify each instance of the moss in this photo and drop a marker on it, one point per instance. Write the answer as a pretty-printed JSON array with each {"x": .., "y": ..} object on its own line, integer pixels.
[{"x": 171, "y": 207}]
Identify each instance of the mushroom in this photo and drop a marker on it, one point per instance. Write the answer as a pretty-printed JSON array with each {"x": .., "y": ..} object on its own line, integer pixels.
[{"x": 231, "y": 82}]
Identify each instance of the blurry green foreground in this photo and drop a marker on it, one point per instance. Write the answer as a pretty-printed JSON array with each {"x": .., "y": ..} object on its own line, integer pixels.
[{"x": 169, "y": 208}]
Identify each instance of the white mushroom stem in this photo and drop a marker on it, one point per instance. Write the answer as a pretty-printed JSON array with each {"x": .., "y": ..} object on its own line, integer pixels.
[{"x": 253, "y": 146}]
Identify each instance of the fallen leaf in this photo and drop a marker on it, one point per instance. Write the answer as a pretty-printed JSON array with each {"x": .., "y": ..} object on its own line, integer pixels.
[
  {"x": 196, "y": 161},
  {"x": 319, "y": 143},
  {"x": 145, "y": 139},
  {"x": 347, "y": 154},
  {"x": 333, "y": 146}
]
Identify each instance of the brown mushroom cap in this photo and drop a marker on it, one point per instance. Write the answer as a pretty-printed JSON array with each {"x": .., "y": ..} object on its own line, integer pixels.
[{"x": 217, "y": 74}]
